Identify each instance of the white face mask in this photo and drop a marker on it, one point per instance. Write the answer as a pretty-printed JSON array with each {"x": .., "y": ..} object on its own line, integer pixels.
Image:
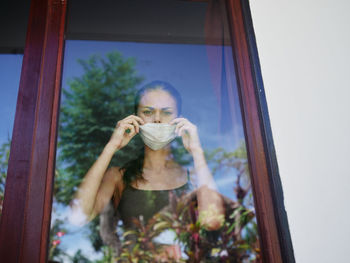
[{"x": 157, "y": 135}]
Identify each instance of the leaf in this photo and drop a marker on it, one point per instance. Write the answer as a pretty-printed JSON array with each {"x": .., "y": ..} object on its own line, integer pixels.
[
  {"x": 130, "y": 232},
  {"x": 161, "y": 226}
]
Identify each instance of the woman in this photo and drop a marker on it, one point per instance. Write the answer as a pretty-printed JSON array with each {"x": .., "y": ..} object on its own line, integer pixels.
[{"x": 157, "y": 111}]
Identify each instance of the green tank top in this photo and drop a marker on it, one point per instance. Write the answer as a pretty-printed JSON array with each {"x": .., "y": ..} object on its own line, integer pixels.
[{"x": 136, "y": 203}]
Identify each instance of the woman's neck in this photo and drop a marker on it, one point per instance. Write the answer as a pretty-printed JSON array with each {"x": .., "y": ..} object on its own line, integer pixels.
[
  {"x": 157, "y": 164},
  {"x": 157, "y": 160}
]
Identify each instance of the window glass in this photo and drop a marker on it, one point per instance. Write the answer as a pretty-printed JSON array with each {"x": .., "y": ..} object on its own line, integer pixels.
[
  {"x": 9, "y": 76},
  {"x": 151, "y": 157},
  {"x": 12, "y": 43}
]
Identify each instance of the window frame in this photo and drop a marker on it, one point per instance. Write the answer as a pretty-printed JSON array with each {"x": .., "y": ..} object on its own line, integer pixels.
[{"x": 25, "y": 222}]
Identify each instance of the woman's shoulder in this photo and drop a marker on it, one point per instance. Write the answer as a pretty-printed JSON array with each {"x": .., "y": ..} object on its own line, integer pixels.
[
  {"x": 115, "y": 173},
  {"x": 116, "y": 170}
]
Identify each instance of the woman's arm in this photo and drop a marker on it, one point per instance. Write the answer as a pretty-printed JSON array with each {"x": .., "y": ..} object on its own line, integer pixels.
[
  {"x": 97, "y": 188},
  {"x": 99, "y": 184},
  {"x": 210, "y": 204}
]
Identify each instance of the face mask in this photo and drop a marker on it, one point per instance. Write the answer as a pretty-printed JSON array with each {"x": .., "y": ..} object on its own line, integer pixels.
[{"x": 157, "y": 135}]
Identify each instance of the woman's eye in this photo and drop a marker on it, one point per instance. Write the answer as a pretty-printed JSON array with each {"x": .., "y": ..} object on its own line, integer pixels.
[
  {"x": 167, "y": 112},
  {"x": 147, "y": 112}
]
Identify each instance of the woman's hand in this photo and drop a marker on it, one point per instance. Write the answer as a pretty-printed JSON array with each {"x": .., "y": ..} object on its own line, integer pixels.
[
  {"x": 189, "y": 134},
  {"x": 124, "y": 131}
]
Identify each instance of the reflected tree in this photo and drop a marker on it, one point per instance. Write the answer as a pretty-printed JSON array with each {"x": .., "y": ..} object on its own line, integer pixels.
[
  {"x": 224, "y": 162},
  {"x": 90, "y": 109},
  {"x": 4, "y": 158}
]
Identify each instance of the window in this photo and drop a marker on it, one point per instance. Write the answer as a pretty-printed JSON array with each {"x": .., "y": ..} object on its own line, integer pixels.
[{"x": 241, "y": 76}]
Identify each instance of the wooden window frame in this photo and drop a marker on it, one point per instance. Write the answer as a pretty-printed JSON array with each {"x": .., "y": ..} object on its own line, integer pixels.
[{"x": 25, "y": 222}]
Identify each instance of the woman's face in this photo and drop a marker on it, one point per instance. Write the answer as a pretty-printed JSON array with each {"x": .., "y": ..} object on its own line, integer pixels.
[{"x": 157, "y": 106}]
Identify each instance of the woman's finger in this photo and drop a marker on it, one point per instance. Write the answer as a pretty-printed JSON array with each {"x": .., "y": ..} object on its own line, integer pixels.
[
  {"x": 178, "y": 126},
  {"x": 133, "y": 121},
  {"x": 137, "y": 118},
  {"x": 141, "y": 121},
  {"x": 136, "y": 125}
]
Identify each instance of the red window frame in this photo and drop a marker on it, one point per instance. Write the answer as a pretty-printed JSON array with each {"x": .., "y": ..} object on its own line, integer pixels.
[{"x": 25, "y": 222}]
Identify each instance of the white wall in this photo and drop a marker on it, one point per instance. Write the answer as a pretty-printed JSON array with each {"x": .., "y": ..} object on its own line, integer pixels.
[{"x": 304, "y": 54}]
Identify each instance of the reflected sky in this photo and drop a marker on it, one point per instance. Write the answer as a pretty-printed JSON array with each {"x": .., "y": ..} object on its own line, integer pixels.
[{"x": 10, "y": 72}]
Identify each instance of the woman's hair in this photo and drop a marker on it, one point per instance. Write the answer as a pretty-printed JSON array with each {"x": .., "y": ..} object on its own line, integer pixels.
[
  {"x": 133, "y": 169},
  {"x": 158, "y": 85}
]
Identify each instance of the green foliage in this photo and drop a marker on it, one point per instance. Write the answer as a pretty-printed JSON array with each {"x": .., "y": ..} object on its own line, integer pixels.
[
  {"x": 80, "y": 258},
  {"x": 4, "y": 157},
  {"x": 56, "y": 232},
  {"x": 107, "y": 255},
  {"x": 90, "y": 109},
  {"x": 221, "y": 159},
  {"x": 180, "y": 154},
  {"x": 226, "y": 162},
  {"x": 94, "y": 235},
  {"x": 236, "y": 241}
]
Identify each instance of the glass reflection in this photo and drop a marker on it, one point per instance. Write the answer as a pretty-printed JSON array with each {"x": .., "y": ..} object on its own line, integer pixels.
[{"x": 158, "y": 216}]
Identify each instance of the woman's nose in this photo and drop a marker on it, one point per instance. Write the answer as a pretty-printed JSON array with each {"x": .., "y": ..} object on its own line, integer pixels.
[{"x": 157, "y": 117}]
